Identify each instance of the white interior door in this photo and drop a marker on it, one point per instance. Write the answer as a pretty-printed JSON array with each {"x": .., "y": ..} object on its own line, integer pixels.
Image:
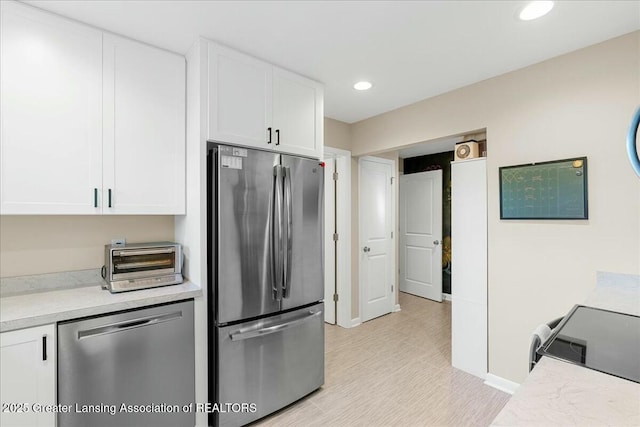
[
  {"x": 329, "y": 242},
  {"x": 421, "y": 234},
  {"x": 337, "y": 296},
  {"x": 377, "y": 258}
]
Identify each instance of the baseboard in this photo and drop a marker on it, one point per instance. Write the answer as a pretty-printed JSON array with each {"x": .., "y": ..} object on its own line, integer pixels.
[
  {"x": 501, "y": 384},
  {"x": 396, "y": 308},
  {"x": 446, "y": 297},
  {"x": 355, "y": 322}
]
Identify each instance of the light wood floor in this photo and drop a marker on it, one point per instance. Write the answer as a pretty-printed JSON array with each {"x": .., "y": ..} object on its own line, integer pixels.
[{"x": 394, "y": 371}]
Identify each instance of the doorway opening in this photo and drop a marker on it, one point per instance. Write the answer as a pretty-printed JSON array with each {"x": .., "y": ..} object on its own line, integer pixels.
[
  {"x": 466, "y": 246},
  {"x": 427, "y": 210},
  {"x": 462, "y": 198}
]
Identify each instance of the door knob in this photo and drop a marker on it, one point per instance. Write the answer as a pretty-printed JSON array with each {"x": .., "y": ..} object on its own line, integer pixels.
[
  {"x": 366, "y": 249},
  {"x": 436, "y": 242}
]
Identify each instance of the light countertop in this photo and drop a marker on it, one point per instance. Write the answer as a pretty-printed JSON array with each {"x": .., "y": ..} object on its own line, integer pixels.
[
  {"x": 40, "y": 308},
  {"x": 560, "y": 393}
]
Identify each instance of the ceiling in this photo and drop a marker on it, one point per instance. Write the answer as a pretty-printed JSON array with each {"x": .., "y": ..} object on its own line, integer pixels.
[{"x": 410, "y": 50}]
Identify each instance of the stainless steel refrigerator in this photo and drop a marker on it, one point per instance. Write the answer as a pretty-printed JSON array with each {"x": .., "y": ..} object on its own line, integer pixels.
[{"x": 266, "y": 281}]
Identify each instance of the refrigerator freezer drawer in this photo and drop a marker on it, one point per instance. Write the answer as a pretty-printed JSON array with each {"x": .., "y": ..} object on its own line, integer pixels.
[
  {"x": 139, "y": 357},
  {"x": 270, "y": 362}
]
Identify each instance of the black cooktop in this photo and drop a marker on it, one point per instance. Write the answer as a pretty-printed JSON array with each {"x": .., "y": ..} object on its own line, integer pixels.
[{"x": 602, "y": 340}]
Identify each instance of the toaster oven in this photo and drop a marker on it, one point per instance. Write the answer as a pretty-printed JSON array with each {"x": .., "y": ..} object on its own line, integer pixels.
[{"x": 142, "y": 265}]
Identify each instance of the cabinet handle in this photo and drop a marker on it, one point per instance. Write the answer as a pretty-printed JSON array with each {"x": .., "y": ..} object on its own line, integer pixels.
[
  {"x": 277, "y": 136},
  {"x": 269, "y": 140},
  {"x": 44, "y": 347},
  {"x": 109, "y": 197},
  {"x": 95, "y": 197}
]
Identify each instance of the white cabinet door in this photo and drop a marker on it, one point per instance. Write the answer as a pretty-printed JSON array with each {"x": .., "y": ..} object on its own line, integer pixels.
[
  {"x": 144, "y": 129},
  {"x": 297, "y": 114},
  {"x": 239, "y": 98},
  {"x": 28, "y": 372},
  {"x": 51, "y": 135},
  {"x": 255, "y": 104}
]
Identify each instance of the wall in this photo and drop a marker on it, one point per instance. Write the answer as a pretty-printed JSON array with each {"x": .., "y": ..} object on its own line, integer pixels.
[
  {"x": 577, "y": 104},
  {"x": 337, "y": 134},
  {"x": 49, "y": 244}
]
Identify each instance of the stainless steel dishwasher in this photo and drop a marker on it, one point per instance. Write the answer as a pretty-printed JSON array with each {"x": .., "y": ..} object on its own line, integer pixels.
[{"x": 142, "y": 359}]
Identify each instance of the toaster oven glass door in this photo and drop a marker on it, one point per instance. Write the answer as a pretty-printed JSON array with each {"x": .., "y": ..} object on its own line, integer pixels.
[{"x": 136, "y": 263}]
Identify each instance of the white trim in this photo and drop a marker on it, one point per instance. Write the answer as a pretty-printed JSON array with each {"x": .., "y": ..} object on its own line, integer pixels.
[
  {"x": 191, "y": 229},
  {"x": 392, "y": 244},
  {"x": 501, "y": 384},
  {"x": 446, "y": 297},
  {"x": 333, "y": 152},
  {"x": 396, "y": 308},
  {"x": 343, "y": 226},
  {"x": 329, "y": 245},
  {"x": 355, "y": 322}
]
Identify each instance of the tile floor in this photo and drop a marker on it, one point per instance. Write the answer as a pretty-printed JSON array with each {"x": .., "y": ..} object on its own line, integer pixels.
[{"x": 394, "y": 371}]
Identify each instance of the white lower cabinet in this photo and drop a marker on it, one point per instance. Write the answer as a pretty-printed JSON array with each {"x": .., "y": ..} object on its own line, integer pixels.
[{"x": 28, "y": 373}]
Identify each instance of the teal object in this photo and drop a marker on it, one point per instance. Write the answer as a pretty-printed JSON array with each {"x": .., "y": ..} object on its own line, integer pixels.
[
  {"x": 547, "y": 190},
  {"x": 631, "y": 143}
]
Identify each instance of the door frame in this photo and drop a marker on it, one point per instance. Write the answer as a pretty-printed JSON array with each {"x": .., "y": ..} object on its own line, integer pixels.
[
  {"x": 393, "y": 250},
  {"x": 343, "y": 228}
]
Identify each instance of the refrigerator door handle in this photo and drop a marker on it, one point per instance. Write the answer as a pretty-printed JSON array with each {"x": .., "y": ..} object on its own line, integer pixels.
[
  {"x": 277, "y": 233},
  {"x": 286, "y": 290},
  {"x": 239, "y": 336}
]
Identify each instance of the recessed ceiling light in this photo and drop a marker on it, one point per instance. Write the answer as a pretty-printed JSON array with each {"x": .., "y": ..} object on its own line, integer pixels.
[
  {"x": 535, "y": 10},
  {"x": 362, "y": 85}
]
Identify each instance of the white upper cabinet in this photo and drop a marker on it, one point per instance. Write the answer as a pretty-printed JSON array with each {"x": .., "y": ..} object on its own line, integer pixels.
[
  {"x": 91, "y": 123},
  {"x": 297, "y": 114},
  {"x": 51, "y": 122},
  {"x": 143, "y": 129},
  {"x": 239, "y": 97},
  {"x": 256, "y": 104}
]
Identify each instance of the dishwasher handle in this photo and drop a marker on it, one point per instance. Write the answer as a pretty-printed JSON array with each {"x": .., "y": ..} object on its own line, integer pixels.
[
  {"x": 129, "y": 324},
  {"x": 239, "y": 336}
]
